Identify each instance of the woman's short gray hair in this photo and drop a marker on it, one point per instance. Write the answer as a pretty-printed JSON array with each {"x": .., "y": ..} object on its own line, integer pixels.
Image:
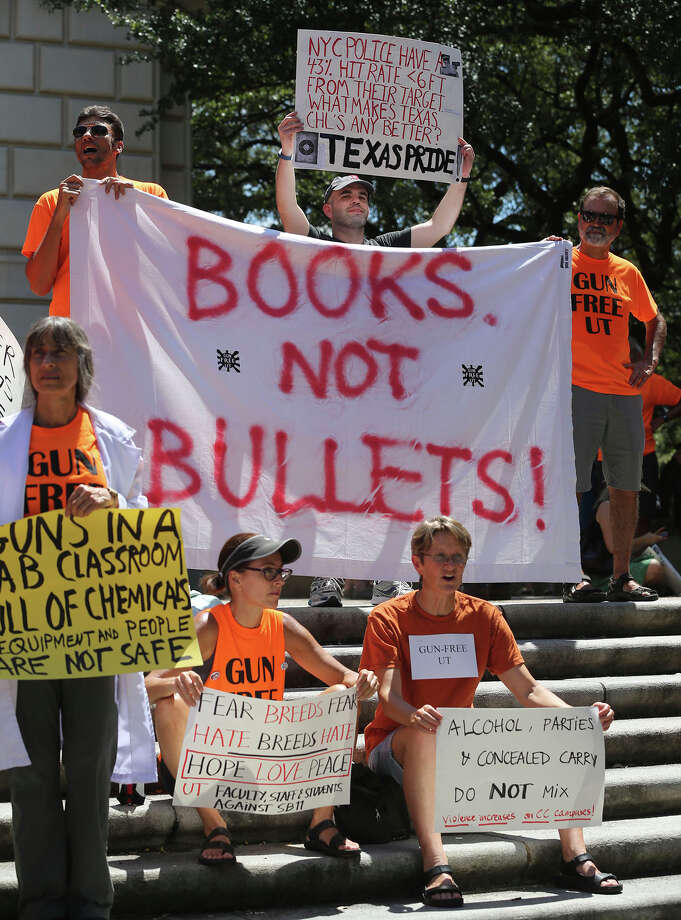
[
  {"x": 422, "y": 538},
  {"x": 65, "y": 333}
]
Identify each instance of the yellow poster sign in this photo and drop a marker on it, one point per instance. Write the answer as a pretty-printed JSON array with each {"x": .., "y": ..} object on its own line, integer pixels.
[{"x": 102, "y": 594}]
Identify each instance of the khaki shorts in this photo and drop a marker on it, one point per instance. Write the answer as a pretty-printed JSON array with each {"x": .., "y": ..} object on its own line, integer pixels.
[{"x": 615, "y": 424}]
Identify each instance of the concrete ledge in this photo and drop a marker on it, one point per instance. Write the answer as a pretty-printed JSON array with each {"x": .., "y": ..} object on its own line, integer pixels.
[
  {"x": 657, "y": 898},
  {"x": 551, "y": 618},
  {"x": 635, "y": 742},
  {"x": 528, "y": 618},
  {"x": 553, "y": 658},
  {"x": 593, "y": 657},
  {"x": 628, "y": 742},
  {"x": 631, "y": 697},
  {"x": 154, "y": 883},
  {"x": 331, "y": 624},
  {"x": 640, "y": 791}
]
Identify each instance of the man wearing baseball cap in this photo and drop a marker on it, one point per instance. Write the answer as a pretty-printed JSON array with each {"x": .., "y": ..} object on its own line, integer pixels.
[
  {"x": 346, "y": 207},
  {"x": 347, "y": 199}
]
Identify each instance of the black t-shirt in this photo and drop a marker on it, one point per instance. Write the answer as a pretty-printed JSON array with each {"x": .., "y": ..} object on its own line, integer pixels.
[{"x": 396, "y": 238}]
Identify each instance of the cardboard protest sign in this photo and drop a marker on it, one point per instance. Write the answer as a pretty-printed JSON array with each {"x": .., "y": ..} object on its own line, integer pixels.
[
  {"x": 102, "y": 594},
  {"x": 518, "y": 768},
  {"x": 12, "y": 376},
  {"x": 378, "y": 105},
  {"x": 267, "y": 756},
  {"x": 336, "y": 394}
]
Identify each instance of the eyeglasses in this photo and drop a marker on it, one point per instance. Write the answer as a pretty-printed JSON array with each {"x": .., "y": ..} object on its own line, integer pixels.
[
  {"x": 605, "y": 219},
  {"x": 269, "y": 573},
  {"x": 95, "y": 130},
  {"x": 443, "y": 559}
]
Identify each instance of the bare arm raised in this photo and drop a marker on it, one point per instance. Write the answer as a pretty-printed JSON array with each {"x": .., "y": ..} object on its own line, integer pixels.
[
  {"x": 447, "y": 212},
  {"x": 293, "y": 218},
  {"x": 42, "y": 266}
]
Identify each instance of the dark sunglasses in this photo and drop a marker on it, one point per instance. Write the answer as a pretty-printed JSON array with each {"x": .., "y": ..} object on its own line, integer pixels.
[
  {"x": 605, "y": 219},
  {"x": 95, "y": 130}
]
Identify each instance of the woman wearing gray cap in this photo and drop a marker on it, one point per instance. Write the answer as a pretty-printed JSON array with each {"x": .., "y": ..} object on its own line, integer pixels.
[{"x": 244, "y": 643}]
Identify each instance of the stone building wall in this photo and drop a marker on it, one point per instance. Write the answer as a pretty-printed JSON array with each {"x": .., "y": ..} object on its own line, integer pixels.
[{"x": 51, "y": 65}]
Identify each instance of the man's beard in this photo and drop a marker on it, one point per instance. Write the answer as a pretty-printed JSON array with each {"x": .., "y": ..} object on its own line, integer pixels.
[{"x": 351, "y": 221}]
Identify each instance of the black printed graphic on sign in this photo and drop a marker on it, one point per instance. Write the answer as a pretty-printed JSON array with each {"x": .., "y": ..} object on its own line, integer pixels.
[
  {"x": 472, "y": 375},
  {"x": 229, "y": 361},
  {"x": 307, "y": 147}
]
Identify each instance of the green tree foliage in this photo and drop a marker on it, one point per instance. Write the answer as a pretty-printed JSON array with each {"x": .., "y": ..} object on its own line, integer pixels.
[{"x": 559, "y": 95}]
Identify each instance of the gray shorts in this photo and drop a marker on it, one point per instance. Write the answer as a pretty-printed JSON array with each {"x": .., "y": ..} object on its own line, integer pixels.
[
  {"x": 615, "y": 424},
  {"x": 382, "y": 760}
]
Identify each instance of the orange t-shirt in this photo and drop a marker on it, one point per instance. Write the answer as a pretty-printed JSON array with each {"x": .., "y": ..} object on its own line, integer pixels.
[
  {"x": 656, "y": 391},
  {"x": 250, "y": 662},
  {"x": 37, "y": 228},
  {"x": 604, "y": 293},
  {"x": 386, "y": 645},
  {"x": 59, "y": 459}
]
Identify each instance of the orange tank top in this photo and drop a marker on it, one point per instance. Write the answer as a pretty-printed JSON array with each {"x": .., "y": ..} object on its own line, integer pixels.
[{"x": 250, "y": 662}]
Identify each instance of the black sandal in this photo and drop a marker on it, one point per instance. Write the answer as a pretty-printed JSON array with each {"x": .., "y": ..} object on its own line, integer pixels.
[
  {"x": 225, "y": 846},
  {"x": 593, "y": 884},
  {"x": 587, "y": 594},
  {"x": 453, "y": 898},
  {"x": 616, "y": 590},
  {"x": 313, "y": 841}
]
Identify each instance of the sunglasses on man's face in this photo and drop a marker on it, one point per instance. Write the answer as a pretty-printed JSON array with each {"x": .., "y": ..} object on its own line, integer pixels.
[
  {"x": 600, "y": 216},
  {"x": 95, "y": 130}
]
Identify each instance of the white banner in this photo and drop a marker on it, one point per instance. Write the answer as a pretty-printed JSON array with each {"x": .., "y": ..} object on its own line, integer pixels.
[
  {"x": 265, "y": 756},
  {"x": 12, "y": 376},
  {"x": 335, "y": 393},
  {"x": 378, "y": 105},
  {"x": 518, "y": 768}
]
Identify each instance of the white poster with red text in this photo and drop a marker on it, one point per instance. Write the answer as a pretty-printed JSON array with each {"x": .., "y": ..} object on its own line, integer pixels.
[
  {"x": 378, "y": 105},
  {"x": 335, "y": 393}
]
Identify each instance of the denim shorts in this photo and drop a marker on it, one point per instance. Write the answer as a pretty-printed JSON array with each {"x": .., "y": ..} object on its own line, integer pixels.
[{"x": 382, "y": 760}]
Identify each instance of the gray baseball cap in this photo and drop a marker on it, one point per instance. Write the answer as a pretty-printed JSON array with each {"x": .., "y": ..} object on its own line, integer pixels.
[
  {"x": 342, "y": 181},
  {"x": 257, "y": 547}
]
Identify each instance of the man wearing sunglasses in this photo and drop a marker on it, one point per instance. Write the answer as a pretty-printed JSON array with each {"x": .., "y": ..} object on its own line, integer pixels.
[
  {"x": 98, "y": 142},
  {"x": 606, "y": 391}
]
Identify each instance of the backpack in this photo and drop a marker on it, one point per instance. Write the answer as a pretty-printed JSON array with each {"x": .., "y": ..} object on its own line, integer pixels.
[{"x": 377, "y": 812}]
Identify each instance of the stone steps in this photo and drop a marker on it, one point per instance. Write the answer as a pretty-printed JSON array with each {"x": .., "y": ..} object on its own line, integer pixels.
[
  {"x": 546, "y": 618},
  {"x": 153, "y": 883},
  {"x": 655, "y": 898},
  {"x": 632, "y": 698},
  {"x": 554, "y": 658},
  {"x": 653, "y": 788},
  {"x": 626, "y": 654}
]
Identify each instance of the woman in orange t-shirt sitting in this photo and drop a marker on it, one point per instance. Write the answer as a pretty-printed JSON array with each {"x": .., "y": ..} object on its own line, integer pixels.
[{"x": 244, "y": 643}]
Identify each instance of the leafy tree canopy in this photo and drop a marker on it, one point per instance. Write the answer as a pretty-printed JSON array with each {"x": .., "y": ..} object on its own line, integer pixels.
[{"x": 559, "y": 95}]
